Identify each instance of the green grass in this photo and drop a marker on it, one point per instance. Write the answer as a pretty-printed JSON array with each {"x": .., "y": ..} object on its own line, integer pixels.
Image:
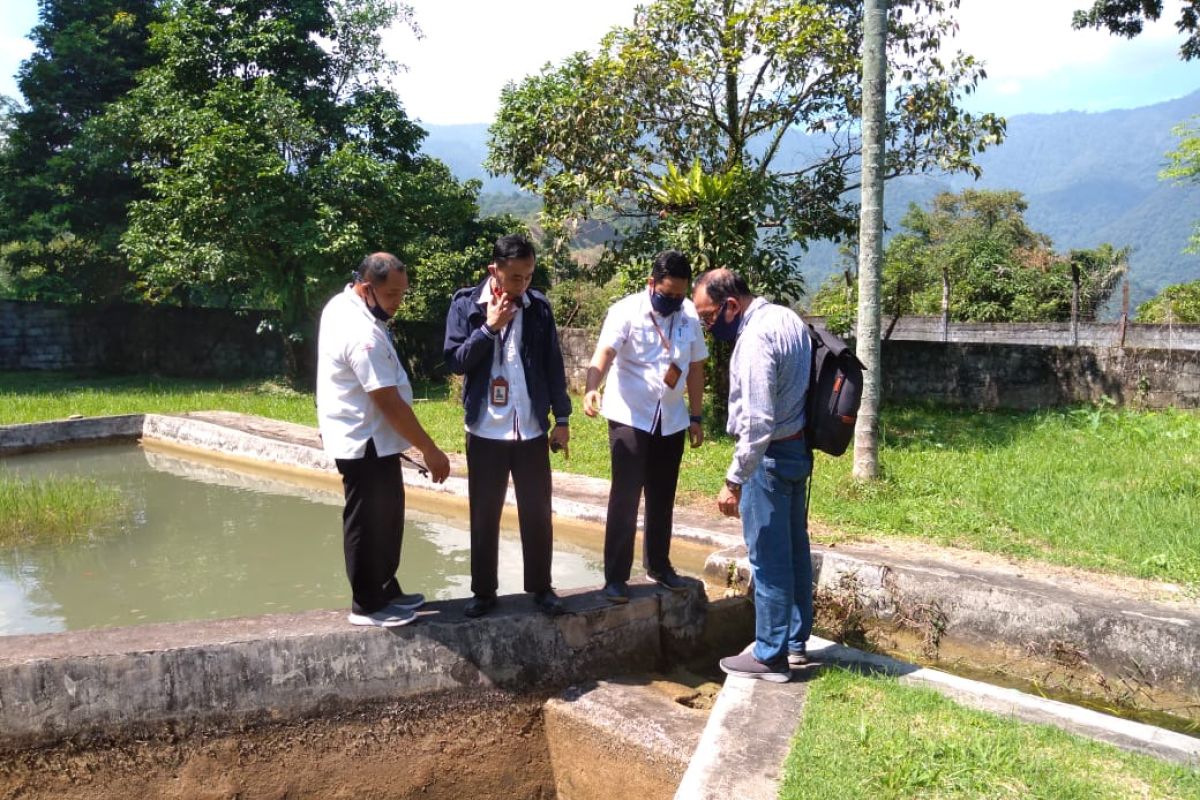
[
  {"x": 36, "y": 396},
  {"x": 875, "y": 738},
  {"x": 1113, "y": 490},
  {"x": 54, "y": 510},
  {"x": 1099, "y": 488}
]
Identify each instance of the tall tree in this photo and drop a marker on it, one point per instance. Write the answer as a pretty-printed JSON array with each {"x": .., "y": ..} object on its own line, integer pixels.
[
  {"x": 1183, "y": 165},
  {"x": 273, "y": 163},
  {"x": 1127, "y": 18},
  {"x": 1177, "y": 304},
  {"x": 736, "y": 87},
  {"x": 870, "y": 237},
  {"x": 63, "y": 195},
  {"x": 976, "y": 250}
]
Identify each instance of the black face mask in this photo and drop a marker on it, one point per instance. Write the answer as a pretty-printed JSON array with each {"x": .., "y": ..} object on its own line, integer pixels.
[
  {"x": 377, "y": 310},
  {"x": 665, "y": 305},
  {"x": 723, "y": 330}
]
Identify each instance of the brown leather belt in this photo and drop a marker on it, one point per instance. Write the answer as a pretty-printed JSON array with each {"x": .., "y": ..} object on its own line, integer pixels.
[{"x": 797, "y": 435}]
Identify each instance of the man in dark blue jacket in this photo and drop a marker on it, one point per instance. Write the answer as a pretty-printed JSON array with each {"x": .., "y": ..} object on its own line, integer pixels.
[{"x": 501, "y": 336}]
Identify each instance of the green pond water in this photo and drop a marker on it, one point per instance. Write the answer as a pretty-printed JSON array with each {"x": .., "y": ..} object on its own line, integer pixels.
[{"x": 208, "y": 542}]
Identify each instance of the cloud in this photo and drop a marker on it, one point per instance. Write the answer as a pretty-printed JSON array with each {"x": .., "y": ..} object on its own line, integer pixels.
[
  {"x": 455, "y": 73},
  {"x": 1026, "y": 39}
]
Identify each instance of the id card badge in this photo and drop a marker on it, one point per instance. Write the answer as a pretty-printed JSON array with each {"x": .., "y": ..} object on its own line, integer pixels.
[
  {"x": 672, "y": 376},
  {"x": 499, "y": 392}
]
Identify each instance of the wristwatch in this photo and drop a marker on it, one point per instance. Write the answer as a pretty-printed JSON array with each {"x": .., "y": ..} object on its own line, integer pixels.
[{"x": 736, "y": 488}]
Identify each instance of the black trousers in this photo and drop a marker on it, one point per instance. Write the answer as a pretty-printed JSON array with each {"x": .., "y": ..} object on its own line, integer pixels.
[
  {"x": 640, "y": 461},
  {"x": 489, "y": 463},
  {"x": 372, "y": 527}
]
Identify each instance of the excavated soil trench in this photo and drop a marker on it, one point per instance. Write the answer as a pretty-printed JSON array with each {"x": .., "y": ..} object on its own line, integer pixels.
[{"x": 475, "y": 745}]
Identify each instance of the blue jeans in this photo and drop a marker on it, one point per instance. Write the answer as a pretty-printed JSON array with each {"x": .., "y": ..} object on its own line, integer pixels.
[{"x": 776, "y": 533}]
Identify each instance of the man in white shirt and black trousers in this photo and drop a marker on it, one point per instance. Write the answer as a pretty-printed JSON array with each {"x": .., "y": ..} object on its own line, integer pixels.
[
  {"x": 364, "y": 408},
  {"x": 656, "y": 341},
  {"x": 501, "y": 336}
]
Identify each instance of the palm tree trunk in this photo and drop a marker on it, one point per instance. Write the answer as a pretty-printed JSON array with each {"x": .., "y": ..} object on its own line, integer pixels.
[{"x": 870, "y": 237}]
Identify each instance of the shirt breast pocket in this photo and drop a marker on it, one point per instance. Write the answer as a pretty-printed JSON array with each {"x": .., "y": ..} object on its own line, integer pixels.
[
  {"x": 646, "y": 345},
  {"x": 681, "y": 345}
]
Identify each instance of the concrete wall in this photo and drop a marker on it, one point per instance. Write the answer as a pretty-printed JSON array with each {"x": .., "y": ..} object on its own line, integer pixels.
[
  {"x": 981, "y": 375},
  {"x": 993, "y": 371},
  {"x": 1090, "y": 334},
  {"x": 577, "y": 346},
  {"x": 190, "y": 342}
]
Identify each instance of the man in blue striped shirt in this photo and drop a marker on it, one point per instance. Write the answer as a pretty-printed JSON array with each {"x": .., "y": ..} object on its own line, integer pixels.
[{"x": 765, "y": 483}]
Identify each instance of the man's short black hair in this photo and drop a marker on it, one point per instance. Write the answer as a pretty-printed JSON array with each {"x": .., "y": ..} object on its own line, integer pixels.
[
  {"x": 671, "y": 264},
  {"x": 720, "y": 284},
  {"x": 511, "y": 247},
  {"x": 374, "y": 268}
]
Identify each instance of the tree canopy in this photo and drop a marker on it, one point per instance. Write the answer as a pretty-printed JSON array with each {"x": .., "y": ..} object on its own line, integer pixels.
[
  {"x": 1183, "y": 165},
  {"x": 979, "y": 247},
  {"x": 674, "y": 129},
  {"x": 1179, "y": 303},
  {"x": 241, "y": 153},
  {"x": 1128, "y": 17},
  {"x": 63, "y": 196},
  {"x": 272, "y": 164}
]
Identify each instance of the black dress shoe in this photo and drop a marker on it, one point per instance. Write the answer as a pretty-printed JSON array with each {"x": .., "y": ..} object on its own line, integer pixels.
[
  {"x": 616, "y": 593},
  {"x": 668, "y": 580},
  {"x": 548, "y": 602},
  {"x": 479, "y": 605}
]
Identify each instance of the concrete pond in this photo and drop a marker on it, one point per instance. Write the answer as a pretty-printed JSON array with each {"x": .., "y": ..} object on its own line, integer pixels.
[{"x": 300, "y": 704}]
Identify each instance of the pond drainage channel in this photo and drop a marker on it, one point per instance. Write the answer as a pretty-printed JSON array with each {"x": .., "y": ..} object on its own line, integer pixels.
[
  {"x": 305, "y": 706},
  {"x": 515, "y": 705}
]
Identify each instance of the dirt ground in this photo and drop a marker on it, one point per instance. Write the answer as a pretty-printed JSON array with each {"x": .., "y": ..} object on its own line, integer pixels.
[{"x": 445, "y": 746}]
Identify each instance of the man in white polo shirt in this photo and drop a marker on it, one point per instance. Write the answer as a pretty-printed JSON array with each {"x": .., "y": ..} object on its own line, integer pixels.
[
  {"x": 364, "y": 408},
  {"x": 658, "y": 345}
]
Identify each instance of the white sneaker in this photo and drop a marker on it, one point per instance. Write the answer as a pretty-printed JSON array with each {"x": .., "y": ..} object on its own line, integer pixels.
[{"x": 386, "y": 617}]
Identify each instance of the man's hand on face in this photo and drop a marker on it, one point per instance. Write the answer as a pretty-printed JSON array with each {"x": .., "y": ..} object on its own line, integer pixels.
[
  {"x": 438, "y": 464},
  {"x": 500, "y": 310}
]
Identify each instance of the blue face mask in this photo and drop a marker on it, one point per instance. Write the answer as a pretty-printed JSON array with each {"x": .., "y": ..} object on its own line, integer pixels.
[
  {"x": 722, "y": 330},
  {"x": 665, "y": 305}
]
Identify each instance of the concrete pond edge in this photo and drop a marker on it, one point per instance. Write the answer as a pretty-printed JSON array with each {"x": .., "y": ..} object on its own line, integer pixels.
[{"x": 63, "y": 685}]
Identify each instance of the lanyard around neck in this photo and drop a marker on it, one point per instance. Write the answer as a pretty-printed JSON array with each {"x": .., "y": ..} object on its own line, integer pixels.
[
  {"x": 502, "y": 340},
  {"x": 665, "y": 338}
]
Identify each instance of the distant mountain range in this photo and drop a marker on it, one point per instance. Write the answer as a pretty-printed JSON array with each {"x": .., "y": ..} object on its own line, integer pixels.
[{"x": 1090, "y": 178}]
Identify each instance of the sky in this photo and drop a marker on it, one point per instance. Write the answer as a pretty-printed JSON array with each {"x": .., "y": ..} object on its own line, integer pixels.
[{"x": 469, "y": 49}]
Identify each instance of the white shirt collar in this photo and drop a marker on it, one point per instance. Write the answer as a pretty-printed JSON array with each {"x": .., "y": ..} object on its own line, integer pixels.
[{"x": 361, "y": 305}]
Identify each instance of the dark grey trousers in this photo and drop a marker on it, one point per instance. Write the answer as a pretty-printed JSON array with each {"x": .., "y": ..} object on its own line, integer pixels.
[
  {"x": 489, "y": 463},
  {"x": 646, "y": 462},
  {"x": 372, "y": 527}
]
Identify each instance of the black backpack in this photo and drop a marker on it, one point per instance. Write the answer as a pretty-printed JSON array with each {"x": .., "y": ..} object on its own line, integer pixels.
[{"x": 835, "y": 386}]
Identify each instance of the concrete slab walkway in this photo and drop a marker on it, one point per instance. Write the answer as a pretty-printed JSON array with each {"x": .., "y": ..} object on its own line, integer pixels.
[{"x": 748, "y": 736}]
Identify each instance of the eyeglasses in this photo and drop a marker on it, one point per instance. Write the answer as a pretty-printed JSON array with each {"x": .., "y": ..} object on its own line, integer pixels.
[{"x": 708, "y": 319}]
